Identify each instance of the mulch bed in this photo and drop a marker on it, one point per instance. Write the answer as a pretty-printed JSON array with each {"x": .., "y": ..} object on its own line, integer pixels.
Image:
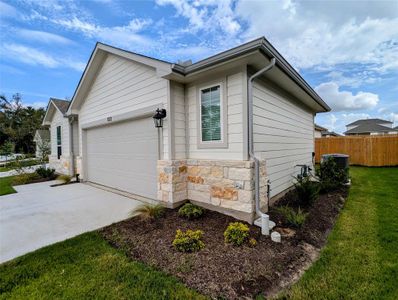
[{"x": 222, "y": 270}]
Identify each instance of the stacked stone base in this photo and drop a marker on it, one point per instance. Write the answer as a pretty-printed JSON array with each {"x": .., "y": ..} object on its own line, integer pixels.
[{"x": 221, "y": 185}]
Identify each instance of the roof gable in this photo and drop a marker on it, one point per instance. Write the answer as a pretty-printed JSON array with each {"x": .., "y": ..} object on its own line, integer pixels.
[
  {"x": 95, "y": 62},
  {"x": 53, "y": 106}
]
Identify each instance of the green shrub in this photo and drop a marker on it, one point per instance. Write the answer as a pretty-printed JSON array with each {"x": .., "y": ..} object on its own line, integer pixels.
[
  {"x": 25, "y": 178},
  {"x": 293, "y": 218},
  {"x": 189, "y": 241},
  {"x": 236, "y": 233},
  {"x": 148, "y": 211},
  {"x": 190, "y": 211},
  {"x": 64, "y": 178},
  {"x": 307, "y": 190},
  {"x": 46, "y": 173},
  {"x": 331, "y": 176}
]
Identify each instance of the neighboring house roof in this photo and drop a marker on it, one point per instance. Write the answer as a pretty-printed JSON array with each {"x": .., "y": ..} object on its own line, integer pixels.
[
  {"x": 180, "y": 71},
  {"x": 368, "y": 128},
  {"x": 320, "y": 128},
  {"x": 369, "y": 121},
  {"x": 43, "y": 134},
  {"x": 58, "y": 104},
  {"x": 62, "y": 105},
  {"x": 331, "y": 133}
]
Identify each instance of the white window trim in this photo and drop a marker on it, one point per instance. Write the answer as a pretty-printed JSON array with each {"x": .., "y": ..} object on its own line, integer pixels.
[{"x": 223, "y": 143}]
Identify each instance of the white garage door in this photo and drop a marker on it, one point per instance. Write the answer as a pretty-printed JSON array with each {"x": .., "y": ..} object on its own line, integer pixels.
[{"x": 124, "y": 156}]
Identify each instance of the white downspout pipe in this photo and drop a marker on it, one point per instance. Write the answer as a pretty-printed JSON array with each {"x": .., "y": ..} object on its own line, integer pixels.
[{"x": 264, "y": 217}]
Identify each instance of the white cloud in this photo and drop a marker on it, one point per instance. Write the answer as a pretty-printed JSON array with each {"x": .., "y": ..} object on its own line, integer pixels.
[
  {"x": 309, "y": 35},
  {"x": 35, "y": 57},
  {"x": 206, "y": 15},
  {"x": 345, "y": 100},
  {"x": 42, "y": 36},
  {"x": 122, "y": 36}
]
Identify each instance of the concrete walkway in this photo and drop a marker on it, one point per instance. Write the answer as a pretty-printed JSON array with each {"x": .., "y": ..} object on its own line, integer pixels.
[{"x": 40, "y": 215}]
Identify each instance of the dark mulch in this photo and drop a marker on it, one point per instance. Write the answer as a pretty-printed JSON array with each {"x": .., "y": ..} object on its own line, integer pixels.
[{"x": 221, "y": 270}]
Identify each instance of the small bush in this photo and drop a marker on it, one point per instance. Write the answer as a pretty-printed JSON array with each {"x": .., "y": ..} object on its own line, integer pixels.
[
  {"x": 331, "y": 176},
  {"x": 190, "y": 211},
  {"x": 293, "y": 218},
  {"x": 64, "y": 178},
  {"x": 252, "y": 242},
  {"x": 307, "y": 190},
  {"x": 25, "y": 178},
  {"x": 189, "y": 241},
  {"x": 236, "y": 233},
  {"x": 46, "y": 173},
  {"x": 148, "y": 211}
]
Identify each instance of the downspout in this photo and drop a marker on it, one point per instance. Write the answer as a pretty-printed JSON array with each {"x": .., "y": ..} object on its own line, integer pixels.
[
  {"x": 264, "y": 217},
  {"x": 71, "y": 154}
]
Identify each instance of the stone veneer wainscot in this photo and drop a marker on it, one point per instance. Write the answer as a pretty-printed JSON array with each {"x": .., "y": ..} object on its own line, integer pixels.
[{"x": 226, "y": 186}]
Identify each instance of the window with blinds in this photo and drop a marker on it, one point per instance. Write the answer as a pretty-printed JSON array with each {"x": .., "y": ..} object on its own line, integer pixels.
[{"x": 210, "y": 102}]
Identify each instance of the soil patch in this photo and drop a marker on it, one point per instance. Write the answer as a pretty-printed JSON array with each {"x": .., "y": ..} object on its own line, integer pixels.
[{"x": 222, "y": 270}]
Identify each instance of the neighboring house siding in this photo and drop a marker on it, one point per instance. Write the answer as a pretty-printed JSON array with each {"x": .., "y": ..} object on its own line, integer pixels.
[
  {"x": 123, "y": 86},
  {"x": 283, "y": 134},
  {"x": 235, "y": 94},
  {"x": 178, "y": 98},
  {"x": 317, "y": 134},
  {"x": 59, "y": 120}
]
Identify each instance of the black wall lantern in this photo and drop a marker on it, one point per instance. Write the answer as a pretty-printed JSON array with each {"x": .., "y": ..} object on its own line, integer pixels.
[{"x": 158, "y": 117}]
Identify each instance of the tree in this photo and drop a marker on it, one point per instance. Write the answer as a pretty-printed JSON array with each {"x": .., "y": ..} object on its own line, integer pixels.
[
  {"x": 44, "y": 150},
  {"x": 6, "y": 149},
  {"x": 18, "y": 123}
]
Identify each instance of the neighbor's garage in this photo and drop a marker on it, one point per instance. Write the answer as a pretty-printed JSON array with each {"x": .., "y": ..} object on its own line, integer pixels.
[{"x": 124, "y": 156}]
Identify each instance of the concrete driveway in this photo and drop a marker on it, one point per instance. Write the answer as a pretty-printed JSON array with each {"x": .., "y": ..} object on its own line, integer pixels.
[{"x": 40, "y": 215}]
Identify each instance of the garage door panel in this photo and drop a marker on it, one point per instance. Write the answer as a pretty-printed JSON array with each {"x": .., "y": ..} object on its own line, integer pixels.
[{"x": 124, "y": 156}]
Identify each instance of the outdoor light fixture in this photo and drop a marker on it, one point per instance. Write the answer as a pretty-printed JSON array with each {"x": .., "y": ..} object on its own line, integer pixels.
[{"x": 158, "y": 117}]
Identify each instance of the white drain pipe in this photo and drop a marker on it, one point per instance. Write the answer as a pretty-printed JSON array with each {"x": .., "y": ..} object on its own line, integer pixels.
[{"x": 264, "y": 217}]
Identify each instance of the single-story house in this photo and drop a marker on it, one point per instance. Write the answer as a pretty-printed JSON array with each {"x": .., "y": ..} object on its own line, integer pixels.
[
  {"x": 370, "y": 127},
  {"x": 328, "y": 133},
  {"x": 235, "y": 125},
  {"x": 41, "y": 139}
]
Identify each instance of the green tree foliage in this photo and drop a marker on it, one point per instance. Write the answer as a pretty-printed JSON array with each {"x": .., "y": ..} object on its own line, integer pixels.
[{"x": 18, "y": 123}]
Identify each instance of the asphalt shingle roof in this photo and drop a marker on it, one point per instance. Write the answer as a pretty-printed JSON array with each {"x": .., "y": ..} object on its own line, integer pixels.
[
  {"x": 61, "y": 104},
  {"x": 369, "y": 121},
  {"x": 369, "y": 127}
]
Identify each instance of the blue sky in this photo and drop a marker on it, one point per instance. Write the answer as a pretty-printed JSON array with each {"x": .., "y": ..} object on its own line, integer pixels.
[{"x": 346, "y": 50}]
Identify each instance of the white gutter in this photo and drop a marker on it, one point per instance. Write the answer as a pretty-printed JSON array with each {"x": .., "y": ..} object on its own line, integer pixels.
[
  {"x": 71, "y": 154},
  {"x": 264, "y": 217}
]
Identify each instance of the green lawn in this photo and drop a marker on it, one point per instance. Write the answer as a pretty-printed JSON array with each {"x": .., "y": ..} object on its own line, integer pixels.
[
  {"x": 360, "y": 260},
  {"x": 86, "y": 267},
  {"x": 5, "y": 185},
  {"x": 24, "y": 163}
]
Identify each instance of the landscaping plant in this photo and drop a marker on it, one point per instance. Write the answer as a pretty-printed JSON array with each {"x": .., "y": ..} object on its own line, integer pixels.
[
  {"x": 307, "y": 190},
  {"x": 252, "y": 242},
  {"x": 292, "y": 217},
  {"x": 236, "y": 233},
  {"x": 25, "y": 178},
  {"x": 190, "y": 211},
  {"x": 64, "y": 178},
  {"x": 188, "y": 241},
  {"x": 331, "y": 176},
  {"x": 46, "y": 173},
  {"x": 148, "y": 211}
]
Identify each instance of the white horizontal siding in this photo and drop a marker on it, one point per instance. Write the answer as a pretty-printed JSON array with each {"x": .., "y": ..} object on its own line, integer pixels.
[
  {"x": 178, "y": 98},
  {"x": 123, "y": 86},
  {"x": 283, "y": 134},
  {"x": 234, "y": 94}
]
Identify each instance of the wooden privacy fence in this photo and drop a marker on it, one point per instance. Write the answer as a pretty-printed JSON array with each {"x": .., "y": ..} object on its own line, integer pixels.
[{"x": 371, "y": 151}]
